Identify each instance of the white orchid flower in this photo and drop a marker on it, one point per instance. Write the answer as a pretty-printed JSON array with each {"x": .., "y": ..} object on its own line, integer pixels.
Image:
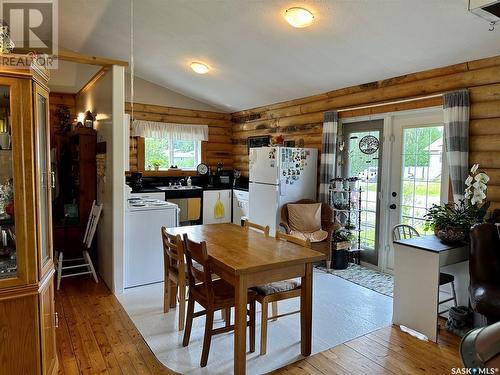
[
  {"x": 478, "y": 185},
  {"x": 474, "y": 168},
  {"x": 478, "y": 197},
  {"x": 469, "y": 181},
  {"x": 482, "y": 177}
]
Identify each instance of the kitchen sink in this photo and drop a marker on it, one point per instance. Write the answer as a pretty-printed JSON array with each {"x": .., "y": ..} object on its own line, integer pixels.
[{"x": 177, "y": 187}]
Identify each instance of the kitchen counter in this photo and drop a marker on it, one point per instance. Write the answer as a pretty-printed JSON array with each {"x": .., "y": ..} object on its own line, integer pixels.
[{"x": 152, "y": 189}]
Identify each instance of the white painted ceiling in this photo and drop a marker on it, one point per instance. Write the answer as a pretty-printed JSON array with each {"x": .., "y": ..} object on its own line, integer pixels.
[
  {"x": 70, "y": 77},
  {"x": 258, "y": 59}
]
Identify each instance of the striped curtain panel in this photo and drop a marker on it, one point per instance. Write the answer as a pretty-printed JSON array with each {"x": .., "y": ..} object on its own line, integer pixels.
[
  {"x": 456, "y": 131},
  {"x": 328, "y": 151}
]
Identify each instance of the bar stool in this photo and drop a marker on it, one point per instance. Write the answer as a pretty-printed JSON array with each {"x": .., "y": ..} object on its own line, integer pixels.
[{"x": 404, "y": 231}]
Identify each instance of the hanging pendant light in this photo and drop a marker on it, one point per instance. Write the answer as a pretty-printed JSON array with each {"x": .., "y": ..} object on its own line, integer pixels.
[{"x": 132, "y": 65}]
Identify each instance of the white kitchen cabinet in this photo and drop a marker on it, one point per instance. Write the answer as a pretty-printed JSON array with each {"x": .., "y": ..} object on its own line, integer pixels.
[
  {"x": 240, "y": 206},
  {"x": 210, "y": 198}
]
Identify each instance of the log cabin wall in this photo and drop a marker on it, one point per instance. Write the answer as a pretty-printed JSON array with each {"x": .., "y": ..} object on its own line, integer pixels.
[
  {"x": 302, "y": 118},
  {"x": 217, "y": 148}
]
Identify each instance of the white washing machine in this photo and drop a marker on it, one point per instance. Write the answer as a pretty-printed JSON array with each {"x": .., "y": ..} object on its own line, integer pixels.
[{"x": 145, "y": 215}]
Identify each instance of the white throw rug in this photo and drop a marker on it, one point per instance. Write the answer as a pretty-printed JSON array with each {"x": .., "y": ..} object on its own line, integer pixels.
[{"x": 342, "y": 311}]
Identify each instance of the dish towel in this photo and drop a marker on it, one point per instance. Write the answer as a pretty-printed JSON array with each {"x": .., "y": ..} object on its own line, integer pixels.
[{"x": 218, "y": 209}]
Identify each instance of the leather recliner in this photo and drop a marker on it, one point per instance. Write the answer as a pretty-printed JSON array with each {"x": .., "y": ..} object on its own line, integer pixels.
[{"x": 484, "y": 270}]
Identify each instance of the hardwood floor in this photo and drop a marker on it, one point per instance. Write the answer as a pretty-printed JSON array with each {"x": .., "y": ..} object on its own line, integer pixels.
[
  {"x": 95, "y": 336},
  {"x": 385, "y": 351}
]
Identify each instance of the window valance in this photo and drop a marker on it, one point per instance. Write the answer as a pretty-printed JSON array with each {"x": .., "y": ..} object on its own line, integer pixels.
[{"x": 184, "y": 132}]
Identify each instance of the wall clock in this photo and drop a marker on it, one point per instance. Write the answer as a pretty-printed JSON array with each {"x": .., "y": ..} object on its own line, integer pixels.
[
  {"x": 368, "y": 144},
  {"x": 202, "y": 169}
]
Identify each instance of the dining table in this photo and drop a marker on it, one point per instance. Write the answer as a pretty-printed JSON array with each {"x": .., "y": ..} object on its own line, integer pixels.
[{"x": 246, "y": 258}]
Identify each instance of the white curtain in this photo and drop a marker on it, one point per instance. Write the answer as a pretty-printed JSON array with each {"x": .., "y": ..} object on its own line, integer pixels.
[{"x": 153, "y": 129}]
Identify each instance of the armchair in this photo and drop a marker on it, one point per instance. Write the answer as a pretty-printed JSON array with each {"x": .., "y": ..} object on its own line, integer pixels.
[
  {"x": 484, "y": 269},
  {"x": 327, "y": 225}
]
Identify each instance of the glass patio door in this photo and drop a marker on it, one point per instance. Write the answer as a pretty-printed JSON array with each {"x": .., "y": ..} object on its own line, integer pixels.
[
  {"x": 362, "y": 142},
  {"x": 419, "y": 174}
]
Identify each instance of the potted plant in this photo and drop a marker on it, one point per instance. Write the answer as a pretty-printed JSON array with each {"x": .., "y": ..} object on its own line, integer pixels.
[
  {"x": 341, "y": 239},
  {"x": 451, "y": 222},
  {"x": 156, "y": 163}
]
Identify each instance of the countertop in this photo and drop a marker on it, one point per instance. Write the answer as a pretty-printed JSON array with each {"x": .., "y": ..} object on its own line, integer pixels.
[
  {"x": 429, "y": 243},
  {"x": 152, "y": 189}
]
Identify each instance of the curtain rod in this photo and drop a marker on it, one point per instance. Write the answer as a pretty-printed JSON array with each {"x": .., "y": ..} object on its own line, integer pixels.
[{"x": 389, "y": 103}]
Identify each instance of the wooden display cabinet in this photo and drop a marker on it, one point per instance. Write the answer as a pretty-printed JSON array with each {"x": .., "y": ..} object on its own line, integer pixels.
[{"x": 27, "y": 312}]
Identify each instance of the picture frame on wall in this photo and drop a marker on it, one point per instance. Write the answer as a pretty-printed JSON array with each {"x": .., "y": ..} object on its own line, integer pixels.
[{"x": 258, "y": 141}]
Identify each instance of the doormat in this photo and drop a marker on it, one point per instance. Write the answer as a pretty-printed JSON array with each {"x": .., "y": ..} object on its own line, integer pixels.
[{"x": 379, "y": 282}]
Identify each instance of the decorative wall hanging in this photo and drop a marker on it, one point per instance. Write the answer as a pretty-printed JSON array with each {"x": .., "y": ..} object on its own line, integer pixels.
[{"x": 368, "y": 144}]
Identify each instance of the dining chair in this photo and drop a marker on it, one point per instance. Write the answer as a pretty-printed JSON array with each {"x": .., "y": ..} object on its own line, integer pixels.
[
  {"x": 259, "y": 228},
  {"x": 85, "y": 261},
  {"x": 277, "y": 291},
  {"x": 405, "y": 231},
  {"x": 212, "y": 295},
  {"x": 175, "y": 274}
]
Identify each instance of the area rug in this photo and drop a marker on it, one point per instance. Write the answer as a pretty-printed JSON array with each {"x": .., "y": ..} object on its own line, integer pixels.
[{"x": 366, "y": 277}]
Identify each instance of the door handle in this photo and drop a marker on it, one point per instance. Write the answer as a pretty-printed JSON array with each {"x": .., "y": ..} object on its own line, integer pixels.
[
  {"x": 56, "y": 320},
  {"x": 53, "y": 179},
  {"x": 392, "y": 206}
]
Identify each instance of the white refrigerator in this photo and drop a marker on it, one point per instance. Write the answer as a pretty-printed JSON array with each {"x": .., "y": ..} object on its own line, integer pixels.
[{"x": 279, "y": 175}]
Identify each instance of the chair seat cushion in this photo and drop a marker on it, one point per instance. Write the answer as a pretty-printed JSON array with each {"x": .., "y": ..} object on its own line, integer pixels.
[
  {"x": 277, "y": 287},
  {"x": 316, "y": 236},
  {"x": 223, "y": 293},
  {"x": 175, "y": 270},
  {"x": 445, "y": 278}
]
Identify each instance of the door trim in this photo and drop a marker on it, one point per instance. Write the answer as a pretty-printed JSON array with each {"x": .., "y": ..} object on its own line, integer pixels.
[{"x": 384, "y": 193}]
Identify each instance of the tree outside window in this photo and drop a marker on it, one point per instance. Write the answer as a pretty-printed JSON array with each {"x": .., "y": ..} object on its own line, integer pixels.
[{"x": 166, "y": 152}]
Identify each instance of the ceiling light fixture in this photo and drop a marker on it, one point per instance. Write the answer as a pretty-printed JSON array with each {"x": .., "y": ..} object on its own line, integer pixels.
[
  {"x": 199, "y": 67},
  {"x": 299, "y": 17}
]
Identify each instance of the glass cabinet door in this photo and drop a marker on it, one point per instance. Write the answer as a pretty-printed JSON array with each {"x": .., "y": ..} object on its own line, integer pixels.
[
  {"x": 8, "y": 254},
  {"x": 45, "y": 179}
]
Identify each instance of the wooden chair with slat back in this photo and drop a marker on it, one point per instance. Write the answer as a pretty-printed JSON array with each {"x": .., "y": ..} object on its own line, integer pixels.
[
  {"x": 175, "y": 274},
  {"x": 405, "y": 231},
  {"x": 85, "y": 261},
  {"x": 249, "y": 225},
  {"x": 277, "y": 291},
  {"x": 212, "y": 295}
]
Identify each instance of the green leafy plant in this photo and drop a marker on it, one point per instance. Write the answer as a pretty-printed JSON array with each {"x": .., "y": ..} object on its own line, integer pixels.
[
  {"x": 342, "y": 235},
  {"x": 156, "y": 162},
  {"x": 466, "y": 212}
]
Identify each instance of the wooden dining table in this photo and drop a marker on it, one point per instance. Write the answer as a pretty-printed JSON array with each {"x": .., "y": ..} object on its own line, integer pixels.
[{"x": 246, "y": 258}]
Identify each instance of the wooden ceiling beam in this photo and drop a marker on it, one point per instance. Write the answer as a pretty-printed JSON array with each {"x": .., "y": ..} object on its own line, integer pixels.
[{"x": 67, "y": 55}]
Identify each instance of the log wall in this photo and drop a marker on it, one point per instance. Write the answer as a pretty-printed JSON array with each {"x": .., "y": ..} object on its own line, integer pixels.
[
  {"x": 302, "y": 118},
  {"x": 217, "y": 148}
]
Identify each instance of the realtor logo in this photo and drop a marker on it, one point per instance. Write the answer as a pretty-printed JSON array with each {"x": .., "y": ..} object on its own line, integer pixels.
[{"x": 30, "y": 26}]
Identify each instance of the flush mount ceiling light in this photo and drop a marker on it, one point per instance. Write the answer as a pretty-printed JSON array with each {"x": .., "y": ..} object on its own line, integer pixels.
[
  {"x": 299, "y": 17},
  {"x": 199, "y": 67}
]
